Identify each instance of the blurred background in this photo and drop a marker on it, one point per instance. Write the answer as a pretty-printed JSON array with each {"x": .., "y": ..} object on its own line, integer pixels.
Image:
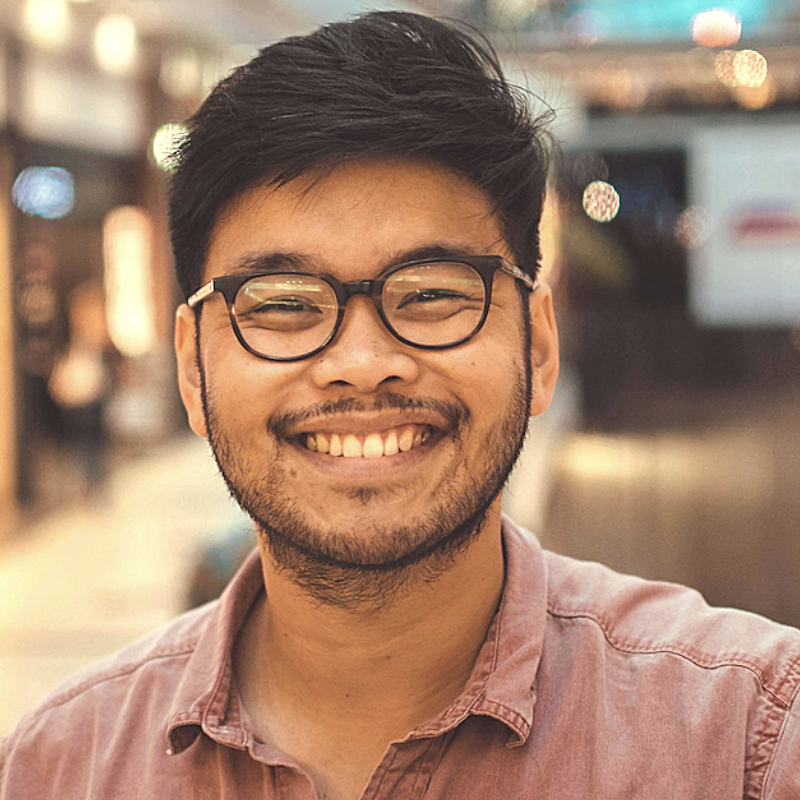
[{"x": 672, "y": 241}]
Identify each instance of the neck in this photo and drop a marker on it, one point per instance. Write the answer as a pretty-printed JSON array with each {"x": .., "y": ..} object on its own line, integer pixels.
[{"x": 397, "y": 666}]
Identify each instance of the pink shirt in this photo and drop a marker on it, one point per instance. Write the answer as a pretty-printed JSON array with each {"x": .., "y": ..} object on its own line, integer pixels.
[{"x": 590, "y": 685}]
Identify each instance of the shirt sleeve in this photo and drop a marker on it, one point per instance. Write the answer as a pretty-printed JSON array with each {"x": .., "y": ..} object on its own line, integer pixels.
[{"x": 783, "y": 778}]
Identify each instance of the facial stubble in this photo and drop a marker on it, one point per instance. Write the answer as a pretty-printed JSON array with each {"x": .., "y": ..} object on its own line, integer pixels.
[{"x": 368, "y": 571}]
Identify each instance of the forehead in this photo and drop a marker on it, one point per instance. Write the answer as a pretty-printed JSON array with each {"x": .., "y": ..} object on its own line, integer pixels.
[{"x": 356, "y": 219}]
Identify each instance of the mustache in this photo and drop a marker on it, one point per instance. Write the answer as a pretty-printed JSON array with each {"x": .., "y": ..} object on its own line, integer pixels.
[{"x": 455, "y": 413}]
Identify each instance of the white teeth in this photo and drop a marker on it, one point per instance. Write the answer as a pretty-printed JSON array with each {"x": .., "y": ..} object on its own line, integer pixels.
[
  {"x": 351, "y": 447},
  {"x": 373, "y": 446},
  {"x": 390, "y": 447},
  {"x": 406, "y": 440}
]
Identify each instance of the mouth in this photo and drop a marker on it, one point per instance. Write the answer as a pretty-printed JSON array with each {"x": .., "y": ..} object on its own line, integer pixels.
[{"x": 378, "y": 444}]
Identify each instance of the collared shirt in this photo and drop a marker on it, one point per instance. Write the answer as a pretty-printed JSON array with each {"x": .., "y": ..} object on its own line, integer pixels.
[{"x": 590, "y": 684}]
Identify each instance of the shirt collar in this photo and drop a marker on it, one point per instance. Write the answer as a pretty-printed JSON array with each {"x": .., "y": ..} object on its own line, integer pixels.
[
  {"x": 204, "y": 699},
  {"x": 502, "y": 683}
]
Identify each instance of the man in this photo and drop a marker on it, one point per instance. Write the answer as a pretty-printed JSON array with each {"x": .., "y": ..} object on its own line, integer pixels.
[{"x": 354, "y": 220}]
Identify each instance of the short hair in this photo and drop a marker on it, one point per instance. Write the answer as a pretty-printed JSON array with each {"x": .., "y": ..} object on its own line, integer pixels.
[{"x": 388, "y": 84}]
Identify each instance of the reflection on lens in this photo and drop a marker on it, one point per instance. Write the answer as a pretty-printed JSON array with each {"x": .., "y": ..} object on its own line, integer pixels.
[
  {"x": 434, "y": 304},
  {"x": 285, "y": 315}
]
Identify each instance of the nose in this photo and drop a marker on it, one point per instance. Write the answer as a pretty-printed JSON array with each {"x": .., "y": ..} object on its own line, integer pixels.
[{"x": 364, "y": 356}]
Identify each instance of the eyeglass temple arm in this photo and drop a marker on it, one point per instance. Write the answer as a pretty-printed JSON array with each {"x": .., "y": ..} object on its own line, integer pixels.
[
  {"x": 201, "y": 294},
  {"x": 515, "y": 272}
]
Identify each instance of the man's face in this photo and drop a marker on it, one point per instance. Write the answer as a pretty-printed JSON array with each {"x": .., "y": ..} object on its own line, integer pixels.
[{"x": 468, "y": 404}]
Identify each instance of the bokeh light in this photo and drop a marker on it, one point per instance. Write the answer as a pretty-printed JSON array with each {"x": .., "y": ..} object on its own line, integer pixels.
[
  {"x": 180, "y": 75},
  {"x": 115, "y": 43},
  {"x": 588, "y": 27},
  {"x": 600, "y": 201},
  {"x": 510, "y": 12},
  {"x": 127, "y": 253},
  {"x": 717, "y": 27},
  {"x": 692, "y": 227},
  {"x": 754, "y": 98},
  {"x": 46, "y": 22},
  {"x": 723, "y": 66},
  {"x": 750, "y": 68},
  {"x": 166, "y": 141},
  {"x": 624, "y": 88},
  {"x": 37, "y": 304},
  {"x": 47, "y": 192}
]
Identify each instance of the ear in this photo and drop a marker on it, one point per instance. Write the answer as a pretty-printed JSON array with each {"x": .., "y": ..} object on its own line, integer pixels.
[
  {"x": 544, "y": 349},
  {"x": 188, "y": 372}
]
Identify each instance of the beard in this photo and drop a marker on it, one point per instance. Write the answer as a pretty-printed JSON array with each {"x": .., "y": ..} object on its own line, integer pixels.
[{"x": 367, "y": 571}]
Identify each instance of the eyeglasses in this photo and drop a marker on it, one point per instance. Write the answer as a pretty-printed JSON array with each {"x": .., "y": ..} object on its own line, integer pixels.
[{"x": 431, "y": 303}]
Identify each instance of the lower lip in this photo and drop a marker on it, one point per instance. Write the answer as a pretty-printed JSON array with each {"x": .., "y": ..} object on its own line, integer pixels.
[{"x": 367, "y": 467}]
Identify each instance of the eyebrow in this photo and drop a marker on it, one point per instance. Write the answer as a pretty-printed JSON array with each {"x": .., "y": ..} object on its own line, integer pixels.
[{"x": 292, "y": 261}]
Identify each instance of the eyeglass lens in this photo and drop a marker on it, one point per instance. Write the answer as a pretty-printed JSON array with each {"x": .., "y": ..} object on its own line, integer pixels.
[{"x": 287, "y": 315}]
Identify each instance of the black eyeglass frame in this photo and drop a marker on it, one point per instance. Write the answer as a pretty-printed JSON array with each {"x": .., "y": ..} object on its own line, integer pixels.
[{"x": 486, "y": 266}]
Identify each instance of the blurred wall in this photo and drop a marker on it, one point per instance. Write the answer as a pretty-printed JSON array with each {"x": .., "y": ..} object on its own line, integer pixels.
[{"x": 7, "y": 448}]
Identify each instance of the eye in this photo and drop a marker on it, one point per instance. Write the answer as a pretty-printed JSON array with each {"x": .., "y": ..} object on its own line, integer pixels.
[
  {"x": 429, "y": 296},
  {"x": 285, "y": 313},
  {"x": 285, "y": 305}
]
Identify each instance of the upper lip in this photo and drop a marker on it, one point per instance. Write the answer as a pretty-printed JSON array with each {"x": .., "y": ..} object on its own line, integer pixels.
[{"x": 360, "y": 425}]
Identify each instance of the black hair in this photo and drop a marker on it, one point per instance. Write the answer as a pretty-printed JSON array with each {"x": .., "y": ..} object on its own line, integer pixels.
[{"x": 384, "y": 84}]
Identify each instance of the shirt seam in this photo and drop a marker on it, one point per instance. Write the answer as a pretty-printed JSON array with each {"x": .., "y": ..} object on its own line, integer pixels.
[
  {"x": 173, "y": 651},
  {"x": 692, "y": 658},
  {"x": 779, "y": 737}
]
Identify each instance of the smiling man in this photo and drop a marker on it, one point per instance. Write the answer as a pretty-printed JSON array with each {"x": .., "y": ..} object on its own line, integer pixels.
[{"x": 355, "y": 225}]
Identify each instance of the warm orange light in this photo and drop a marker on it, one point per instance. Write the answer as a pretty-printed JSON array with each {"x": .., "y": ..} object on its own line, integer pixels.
[
  {"x": 716, "y": 28},
  {"x": 756, "y": 97},
  {"x": 127, "y": 243},
  {"x": 723, "y": 67},
  {"x": 115, "y": 44},
  {"x": 623, "y": 88},
  {"x": 46, "y": 22},
  {"x": 750, "y": 68}
]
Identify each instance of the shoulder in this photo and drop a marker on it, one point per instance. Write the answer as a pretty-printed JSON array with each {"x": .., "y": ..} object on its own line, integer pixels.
[
  {"x": 106, "y": 732},
  {"x": 151, "y": 666},
  {"x": 641, "y": 617}
]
